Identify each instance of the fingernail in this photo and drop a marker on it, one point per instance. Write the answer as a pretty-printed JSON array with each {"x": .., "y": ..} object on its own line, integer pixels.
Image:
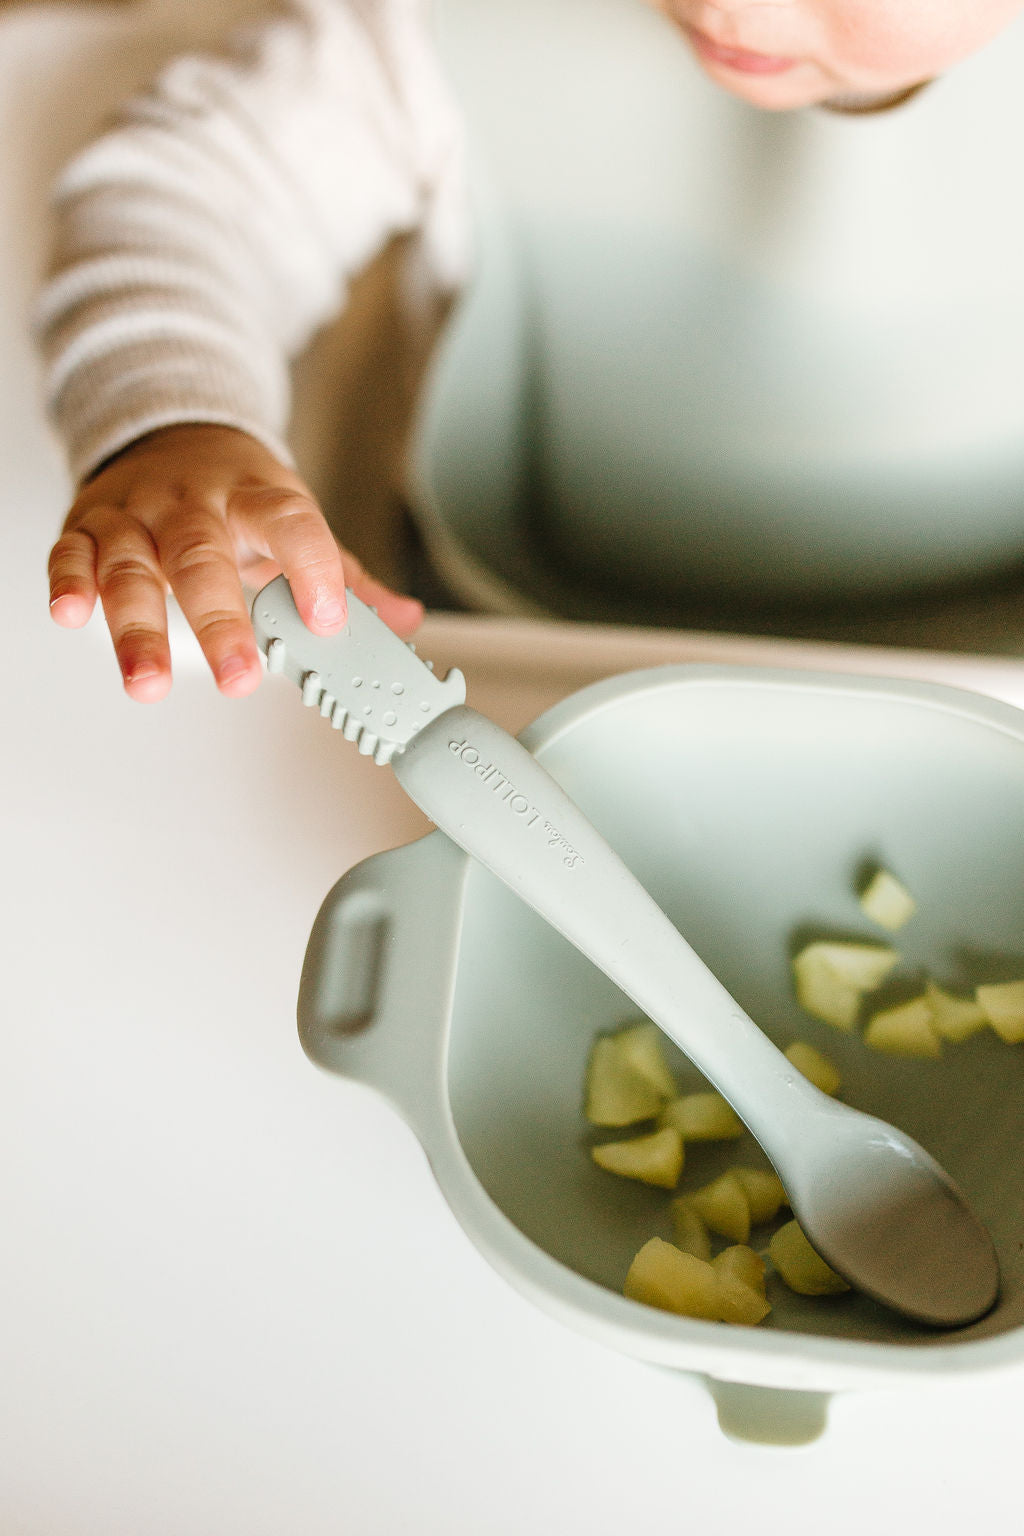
[
  {"x": 232, "y": 668},
  {"x": 329, "y": 613}
]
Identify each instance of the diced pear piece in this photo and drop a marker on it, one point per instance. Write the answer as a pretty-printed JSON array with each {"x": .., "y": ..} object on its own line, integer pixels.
[
  {"x": 1004, "y": 1008},
  {"x": 764, "y": 1190},
  {"x": 814, "y": 1065},
  {"x": 663, "y": 1276},
  {"x": 702, "y": 1117},
  {"x": 723, "y": 1206},
  {"x": 822, "y": 992},
  {"x": 654, "y": 1159},
  {"x": 954, "y": 1018},
  {"x": 616, "y": 1093},
  {"x": 641, "y": 1049},
  {"x": 887, "y": 901},
  {"x": 740, "y": 1303},
  {"x": 743, "y": 1264},
  {"x": 908, "y": 1030},
  {"x": 801, "y": 1268},
  {"x": 831, "y": 976},
  {"x": 691, "y": 1233}
]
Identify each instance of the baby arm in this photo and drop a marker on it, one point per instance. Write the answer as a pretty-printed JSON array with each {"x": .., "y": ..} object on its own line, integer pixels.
[
  {"x": 199, "y": 244},
  {"x": 198, "y": 509}
]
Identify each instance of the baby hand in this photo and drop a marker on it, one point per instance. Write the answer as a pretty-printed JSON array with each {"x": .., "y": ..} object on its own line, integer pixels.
[{"x": 194, "y": 509}]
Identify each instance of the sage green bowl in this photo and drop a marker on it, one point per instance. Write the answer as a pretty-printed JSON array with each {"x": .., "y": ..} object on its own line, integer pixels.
[{"x": 749, "y": 802}]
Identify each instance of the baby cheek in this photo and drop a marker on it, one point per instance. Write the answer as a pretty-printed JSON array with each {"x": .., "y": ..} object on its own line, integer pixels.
[{"x": 914, "y": 39}]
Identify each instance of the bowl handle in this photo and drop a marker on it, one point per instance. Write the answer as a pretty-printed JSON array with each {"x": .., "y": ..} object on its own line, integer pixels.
[{"x": 377, "y": 980}]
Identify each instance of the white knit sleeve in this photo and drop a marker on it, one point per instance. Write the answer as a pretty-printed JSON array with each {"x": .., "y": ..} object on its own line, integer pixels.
[{"x": 213, "y": 227}]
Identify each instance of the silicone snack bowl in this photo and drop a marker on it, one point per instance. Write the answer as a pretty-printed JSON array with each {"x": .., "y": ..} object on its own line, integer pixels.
[{"x": 430, "y": 1001}]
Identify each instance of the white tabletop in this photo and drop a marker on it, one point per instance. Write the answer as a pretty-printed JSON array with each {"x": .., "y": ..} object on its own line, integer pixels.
[{"x": 233, "y": 1302}]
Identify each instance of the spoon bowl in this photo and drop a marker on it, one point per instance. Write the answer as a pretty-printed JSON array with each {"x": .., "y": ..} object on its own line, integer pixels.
[{"x": 887, "y": 1217}]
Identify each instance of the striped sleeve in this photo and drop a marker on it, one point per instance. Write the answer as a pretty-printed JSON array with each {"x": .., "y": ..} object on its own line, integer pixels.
[{"x": 214, "y": 226}]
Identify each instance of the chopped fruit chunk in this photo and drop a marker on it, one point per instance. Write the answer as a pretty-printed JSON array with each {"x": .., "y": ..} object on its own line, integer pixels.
[
  {"x": 663, "y": 1276},
  {"x": 655, "y": 1159},
  {"x": 764, "y": 1191},
  {"x": 815, "y": 1066},
  {"x": 1004, "y": 1009},
  {"x": 830, "y": 978},
  {"x": 743, "y": 1264},
  {"x": 702, "y": 1117},
  {"x": 641, "y": 1049},
  {"x": 723, "y": 1206},
  {"x": 954, "y": 1018},
  {"x": 908, "y": 1030},
  {"x": 887, "y": 901},
  {"x": 740, "y": 1303},
  {"x": 824, "y": 994},
  {"x": 691, "y": 1233},
  {"x": 801, "y": 1268},
  {"x": 616, "y": 1093}
]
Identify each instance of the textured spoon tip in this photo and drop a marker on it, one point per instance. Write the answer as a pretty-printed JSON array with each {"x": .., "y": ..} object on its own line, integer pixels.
[
  {"x": 315, "y": 695},
  {"x": 369, "y": 683}
]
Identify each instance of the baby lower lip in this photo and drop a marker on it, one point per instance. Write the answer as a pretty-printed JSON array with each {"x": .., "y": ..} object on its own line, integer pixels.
[{"x": 739, "y": 59}]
